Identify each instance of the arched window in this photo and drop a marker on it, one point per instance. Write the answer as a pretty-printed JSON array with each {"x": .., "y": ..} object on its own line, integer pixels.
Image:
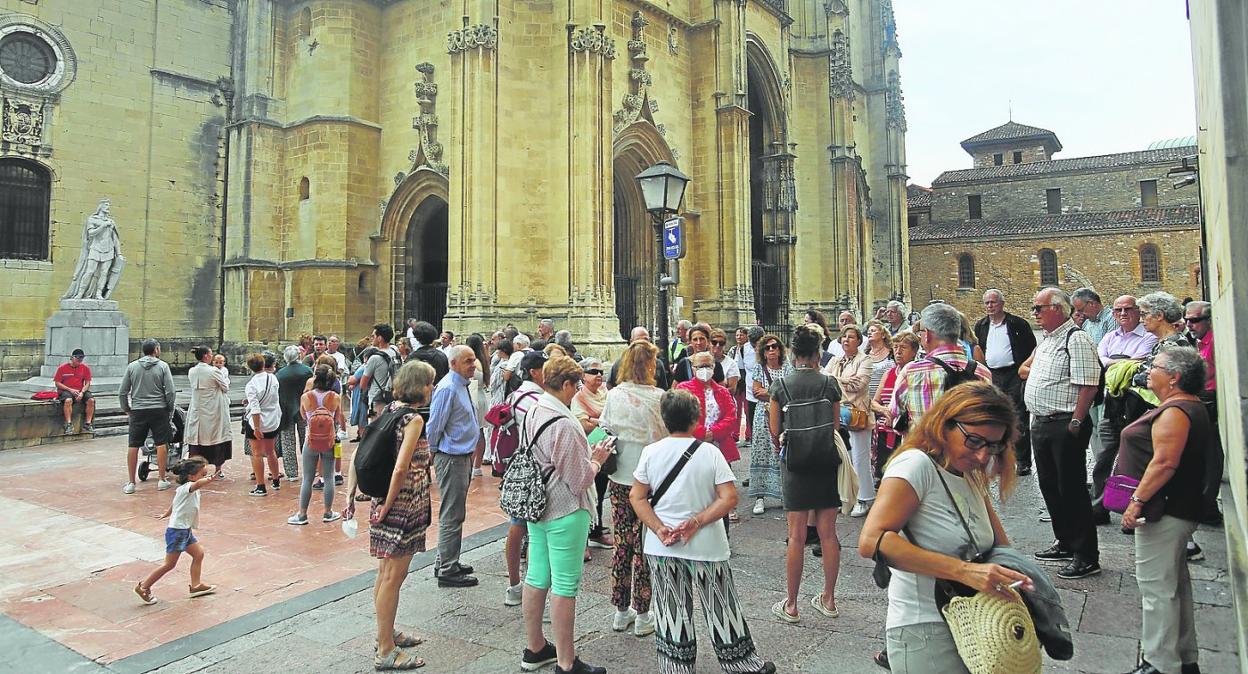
[
  {"x": 25, "y": 195},
  {"x": 305, "y": 22},
  {"x": 966, "y": 270},
  {"x": 1048, "y": 267},
  {"x": 305, "y": 189},
  {"x": 1150, "y": 264}
]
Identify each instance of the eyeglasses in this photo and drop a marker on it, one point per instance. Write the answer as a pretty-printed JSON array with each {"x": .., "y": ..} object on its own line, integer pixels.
[
  {"x": 597, "y": 372},
  {"x": 975, "y": 442},
  {"x": 1037, "y": 308},
  {"x": 1123, "y": 310},
  {"x": 1197, "y": 319},
  {"x": 771, "y": 346}
]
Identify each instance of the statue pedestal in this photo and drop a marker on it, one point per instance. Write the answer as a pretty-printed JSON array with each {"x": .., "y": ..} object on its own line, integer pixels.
[{"x": 95, "y": 326}]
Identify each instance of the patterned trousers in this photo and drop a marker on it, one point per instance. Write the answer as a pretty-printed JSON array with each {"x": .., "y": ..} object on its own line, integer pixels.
[
  {"x": 674, "y": 582},
  {"x": 286, "y": 442},
  {"x": 630, "y": 577}
]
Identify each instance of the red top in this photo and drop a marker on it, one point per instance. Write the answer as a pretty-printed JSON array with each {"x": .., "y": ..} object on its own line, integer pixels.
[
  {"x": 73, "y": 377},
  {"x": 722, "y": 430}
]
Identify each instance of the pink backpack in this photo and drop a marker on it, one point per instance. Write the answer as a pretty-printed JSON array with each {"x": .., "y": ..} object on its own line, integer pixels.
[
  {"x": 506, "y": 436},
  {"x": 321, "y": 432}
]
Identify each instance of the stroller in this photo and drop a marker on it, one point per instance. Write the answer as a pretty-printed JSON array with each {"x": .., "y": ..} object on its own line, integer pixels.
[{"x": 175, "y": 446}]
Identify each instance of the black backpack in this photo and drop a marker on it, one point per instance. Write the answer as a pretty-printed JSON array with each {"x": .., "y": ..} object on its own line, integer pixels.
[
  {"x": 955, "y": 377},
  {"x": 375, "y": 458},
  {"x": 385, "y": 394},
  {"x": 809, "y": 432}
]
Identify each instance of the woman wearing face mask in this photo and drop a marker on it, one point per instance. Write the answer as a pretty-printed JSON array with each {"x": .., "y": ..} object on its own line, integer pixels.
[{"x": 718, "y": 420}]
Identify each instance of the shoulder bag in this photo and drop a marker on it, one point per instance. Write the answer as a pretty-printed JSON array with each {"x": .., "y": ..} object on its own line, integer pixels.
[{"x": 671, "y": 474}]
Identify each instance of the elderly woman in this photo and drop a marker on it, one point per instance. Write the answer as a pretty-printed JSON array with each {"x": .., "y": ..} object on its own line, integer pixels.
[
  {"x": 719, "y": 418},
  {"x": 497, "y": 385},
  {"x": 261, "y": 420},
  {"x": 937, "y": 487},
  {"x": 397, "y": 523},
  {"x": 905, "y": 350},
  {"x": 853, "y": 373},
  {"x": 809, "y": 493},
  {"x": 557, "y": 540},
  {"x": 587, "y": 405},
  {"x": 1165, "y": 449},
  {"x": 208, "y": 417},
  {"x": 685, "y": 547},
  {"x": 631, "y": 413},
  {"x": 291, "y": 380},
  {"x": 1159, "y": 312},
  {"x": 764, "y": 454}
]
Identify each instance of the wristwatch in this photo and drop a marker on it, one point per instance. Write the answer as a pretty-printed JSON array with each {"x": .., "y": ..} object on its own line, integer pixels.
[
  {"x": 1135, "y": 499},
  {"x": 1076, "y": 422}
]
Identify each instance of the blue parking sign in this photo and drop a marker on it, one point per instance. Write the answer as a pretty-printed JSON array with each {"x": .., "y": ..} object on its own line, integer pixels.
[{"x": 674, "y": 238}]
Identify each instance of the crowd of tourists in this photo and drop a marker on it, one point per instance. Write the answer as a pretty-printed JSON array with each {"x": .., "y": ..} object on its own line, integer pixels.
[{"x": 909, "y": 420}]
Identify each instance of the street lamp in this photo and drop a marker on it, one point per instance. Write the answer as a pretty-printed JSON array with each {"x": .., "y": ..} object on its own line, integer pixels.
[{"x": 663, "y": 190}]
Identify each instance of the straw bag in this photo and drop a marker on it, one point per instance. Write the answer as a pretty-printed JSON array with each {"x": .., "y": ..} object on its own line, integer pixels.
[{"x": 993, "y": 635}]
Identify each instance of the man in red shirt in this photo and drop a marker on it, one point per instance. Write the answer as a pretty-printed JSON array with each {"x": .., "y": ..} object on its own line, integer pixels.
[{"x": 73, "y": 379}]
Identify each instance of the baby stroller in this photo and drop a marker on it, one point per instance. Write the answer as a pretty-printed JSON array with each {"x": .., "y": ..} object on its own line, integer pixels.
[{"x": 175, "y": 446}]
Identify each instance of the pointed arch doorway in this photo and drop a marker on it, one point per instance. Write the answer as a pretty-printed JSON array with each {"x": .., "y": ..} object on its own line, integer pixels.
[
  {"x": 771, "y": 197},
  {"x": 634, "y": 250},
  {"x": 425, "y": 262}
]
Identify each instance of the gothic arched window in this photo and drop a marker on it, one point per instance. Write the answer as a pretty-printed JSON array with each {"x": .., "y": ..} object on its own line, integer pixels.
[
  {"x": 25, "y": 198},
  {"x": 305, "y": 189},
  {"x": 305, "y": 22},
  {"x": 1150, "y": 264},
  {"x": 1048, "y": 267},
  {"x": 966, "y": 270}
]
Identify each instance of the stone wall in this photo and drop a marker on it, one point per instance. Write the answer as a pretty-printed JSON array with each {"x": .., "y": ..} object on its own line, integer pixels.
[
  {"x": 1106, "y": 261},
  {"x": 984, "y": 156}
]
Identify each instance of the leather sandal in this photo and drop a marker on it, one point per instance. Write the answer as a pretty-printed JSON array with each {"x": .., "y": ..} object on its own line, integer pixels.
[
  {"x": 404, "y": 640},
  {"x": 397, "y": 660}
]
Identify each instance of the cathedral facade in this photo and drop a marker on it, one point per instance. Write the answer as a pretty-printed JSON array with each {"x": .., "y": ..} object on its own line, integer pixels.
[{"x": 278, "y": 167}]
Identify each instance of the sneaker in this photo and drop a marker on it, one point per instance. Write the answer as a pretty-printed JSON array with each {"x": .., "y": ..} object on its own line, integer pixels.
[
  {"x": 277, "y": 484},
  {"x": 531, "y": 662},
  {"x": 258, "y": 491},
  {"x": 860, "y": 509},
  {"x": 476, "y": 472},
  {"x": 1077, "y": 568},
  {"x": 514, "y": 595},
  {"x": 1194, "y": 553},
  {"x": 1046, "y": 517},
  {"x": 1054, "y": 553},
  {"x": 88, "y": 428},
  {"x": 623, "y": 619},
  {"x": 297, "y": 519},
  {"x": 603, "y": 541},
  {"x": 69, "y": 429},
  {"x": 1024, "y": 471},
  {"x": 128, "y": 488},
  {"x": 579, "y": 667},
  {"x": 163, "y": 485},
  {"x": 318, "y": 483},
  {"x": 338, "y": 480},
  {"x": 758, "y": 507},
  {"x": 644, "y": 625},
  {"x": 331, "y": 516}
]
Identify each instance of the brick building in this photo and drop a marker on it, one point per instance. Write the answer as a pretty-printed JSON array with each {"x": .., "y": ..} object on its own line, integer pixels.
[{"x": 1019, "y": 220}]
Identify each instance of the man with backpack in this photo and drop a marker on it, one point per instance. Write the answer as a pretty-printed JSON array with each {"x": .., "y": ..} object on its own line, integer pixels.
[
  {"x": 380, "y": 369},
  {"x": 944, "y": 366},
  {"x": 1064, "y": 377},
  {"x": 429, "y": 350}
]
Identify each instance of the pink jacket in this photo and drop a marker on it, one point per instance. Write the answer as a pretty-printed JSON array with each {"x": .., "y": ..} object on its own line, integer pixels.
[{"x": 723, "y": 431}]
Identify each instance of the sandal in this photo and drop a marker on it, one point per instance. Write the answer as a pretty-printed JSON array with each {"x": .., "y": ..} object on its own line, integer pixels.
[
  {"x": 397, "y": 660},
  {"x": 734, "y": 518},
  {"x": 404, "y": 640},
  {"x": 202, "y": 590},
  {"x": 817, "y": 602},
  {"x": 144, "y": 594},
  {"x": 780, "y": 612}
]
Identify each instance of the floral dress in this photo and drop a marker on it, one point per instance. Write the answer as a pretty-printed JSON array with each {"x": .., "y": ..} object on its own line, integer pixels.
[
  {"x": 764, "y": 455},
  {"x": 402, "y": 532}
]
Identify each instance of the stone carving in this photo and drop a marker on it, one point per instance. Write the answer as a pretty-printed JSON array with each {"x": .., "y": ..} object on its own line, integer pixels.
[
  {"x": 100, "y": 261},
  {"x": 673, "y": 39},
  {"x": 637, "y": 104},
  {"x": 835, "y": 7},
  {"x": 468, "y": 38},
  {"x": 592, "y": 39},
  {"x": 779, "y": 186},
  {"x": 894, "y": 102},
  {"x": 23, "y": 122},
  {"x": 429, "y": 153},
  {"x": 840, "y": 71},
  {"x": 889, "y": 23}
]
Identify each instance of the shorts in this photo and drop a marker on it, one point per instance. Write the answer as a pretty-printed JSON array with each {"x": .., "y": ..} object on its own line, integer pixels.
[
  {"x": 252, "y": 434},
  {"x": 62, "y": 396},
  {"x": 177, "y": 540},
  {"x": 158, "y": 423}
]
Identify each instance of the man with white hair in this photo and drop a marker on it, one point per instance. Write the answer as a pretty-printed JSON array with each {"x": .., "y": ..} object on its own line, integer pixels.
[
  {"x": 844, "y": 319},
  {"x": 1008, "y": 341},
  {"x": 520, "y": 345},
  {"x": 895, "y": 317},
  {"x": 662, "y": 378},
  {"x": 1065, "y": 373},
  {"x": 922, "y": 383},
  {"x": 677, "y": 347},
  {"x": 545, "y": 330},
  {"x": 452, "y": 431}
]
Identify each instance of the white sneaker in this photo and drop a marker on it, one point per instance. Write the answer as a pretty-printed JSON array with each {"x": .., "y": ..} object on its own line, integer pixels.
[
  {"x": 163, "y": 485},
  {"x": 514, "y": 596},
  {"x": 758, "y": 507},
  {"x": 644, "y": 625},
  {"x": 623, "y": 619},
  {"x": 476, "y": 472},
  {"x": 128, "y": 488},
  {"x": 860, "y": 509}
]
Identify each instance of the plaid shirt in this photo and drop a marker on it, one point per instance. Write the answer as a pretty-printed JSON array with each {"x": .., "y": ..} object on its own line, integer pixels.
[
  {"x": 1056, "y": 375},
  {"x": 922, "y": 382}
]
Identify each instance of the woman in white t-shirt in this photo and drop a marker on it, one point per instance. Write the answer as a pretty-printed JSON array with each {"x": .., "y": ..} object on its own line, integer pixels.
[
  {"x": 958, "y": 448},
  {"x": 686, "y": 543}
]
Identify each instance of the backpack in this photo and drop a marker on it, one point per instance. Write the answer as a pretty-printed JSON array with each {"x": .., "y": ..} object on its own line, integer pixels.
[
  {"x": 1100, "y": 387},
  {"x": 385, "y": 394},
  {"x": 375, "y": 458},
  {"x": 321, "y": 434},
  {"x": 955, "y": 377},
  {"x": 810, "y": 432},
  {"x": 524, "y": 484},
  {"x": 506, "y": 436}
]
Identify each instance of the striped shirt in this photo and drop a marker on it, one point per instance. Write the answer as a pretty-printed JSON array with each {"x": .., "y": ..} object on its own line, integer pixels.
[{"x": 923, "y": 381}]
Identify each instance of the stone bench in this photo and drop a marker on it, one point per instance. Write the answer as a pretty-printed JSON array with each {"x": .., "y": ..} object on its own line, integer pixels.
[{"x": 37, "y": 422}]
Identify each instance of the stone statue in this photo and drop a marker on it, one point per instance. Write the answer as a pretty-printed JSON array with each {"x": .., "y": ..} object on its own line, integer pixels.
[{"x": 100, "y": 261}]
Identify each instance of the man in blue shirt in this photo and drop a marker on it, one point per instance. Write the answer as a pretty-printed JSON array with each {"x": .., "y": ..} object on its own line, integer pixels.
[{"x": 452, "y": 432}]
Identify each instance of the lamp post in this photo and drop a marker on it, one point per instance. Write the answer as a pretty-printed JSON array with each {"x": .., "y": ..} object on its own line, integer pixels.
[{"x": 663, "y": 190}]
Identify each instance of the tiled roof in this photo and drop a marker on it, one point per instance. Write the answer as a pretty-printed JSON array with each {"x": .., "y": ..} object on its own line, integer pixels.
[
  {"x": 1066, "y": 223},
  {"x": 1099, "y": 162},
  {"x": 1010, "y": 131},
  {"x": 919, "y": 199}
]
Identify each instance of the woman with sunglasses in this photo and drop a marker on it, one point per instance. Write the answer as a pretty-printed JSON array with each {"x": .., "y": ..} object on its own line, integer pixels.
[
  {"x": 937, "y": 488},
  {"x": 764, "y": 455},
  {"x": 587, "y": 405}
]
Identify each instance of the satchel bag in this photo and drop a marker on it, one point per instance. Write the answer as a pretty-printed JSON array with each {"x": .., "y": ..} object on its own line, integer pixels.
[
  {"x": 854, "y": 418},
  {"x": 1118, "y": 492}
]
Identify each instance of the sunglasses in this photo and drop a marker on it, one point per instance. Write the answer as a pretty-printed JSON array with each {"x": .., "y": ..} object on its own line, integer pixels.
[
  {"x": 718, "y": 342},
  {"x": 771, "y": 346},
  {"x": 975, "y": 442},
  {"x": 1197, "y": 319},
  {"x": 597, "y": 372},
  {"x": 1037, "y": 308}
]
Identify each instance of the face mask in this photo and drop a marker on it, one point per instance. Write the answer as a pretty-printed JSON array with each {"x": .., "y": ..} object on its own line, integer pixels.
[{"x": 704, "y": 374}]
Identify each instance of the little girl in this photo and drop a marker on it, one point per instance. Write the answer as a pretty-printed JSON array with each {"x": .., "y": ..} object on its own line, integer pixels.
[{"x": 183, "y": 516}]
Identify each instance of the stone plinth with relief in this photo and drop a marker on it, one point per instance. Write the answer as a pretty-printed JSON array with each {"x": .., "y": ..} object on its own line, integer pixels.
[{"x": 99, "y": 329}]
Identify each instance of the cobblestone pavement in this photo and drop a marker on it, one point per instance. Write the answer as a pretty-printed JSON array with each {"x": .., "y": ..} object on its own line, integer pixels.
[{"x": 469, "y": 630}]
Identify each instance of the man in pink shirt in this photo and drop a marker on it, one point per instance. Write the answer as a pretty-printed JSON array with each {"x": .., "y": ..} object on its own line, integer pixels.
[{"x": 1200, "y": 326}]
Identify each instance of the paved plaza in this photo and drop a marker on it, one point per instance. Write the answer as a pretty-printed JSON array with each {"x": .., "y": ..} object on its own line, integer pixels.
[{"x": 299, "y": 599}]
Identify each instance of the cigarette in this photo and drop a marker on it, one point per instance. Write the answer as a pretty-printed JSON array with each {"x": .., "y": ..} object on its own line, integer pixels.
[{"x": 1016, "y": 584}]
